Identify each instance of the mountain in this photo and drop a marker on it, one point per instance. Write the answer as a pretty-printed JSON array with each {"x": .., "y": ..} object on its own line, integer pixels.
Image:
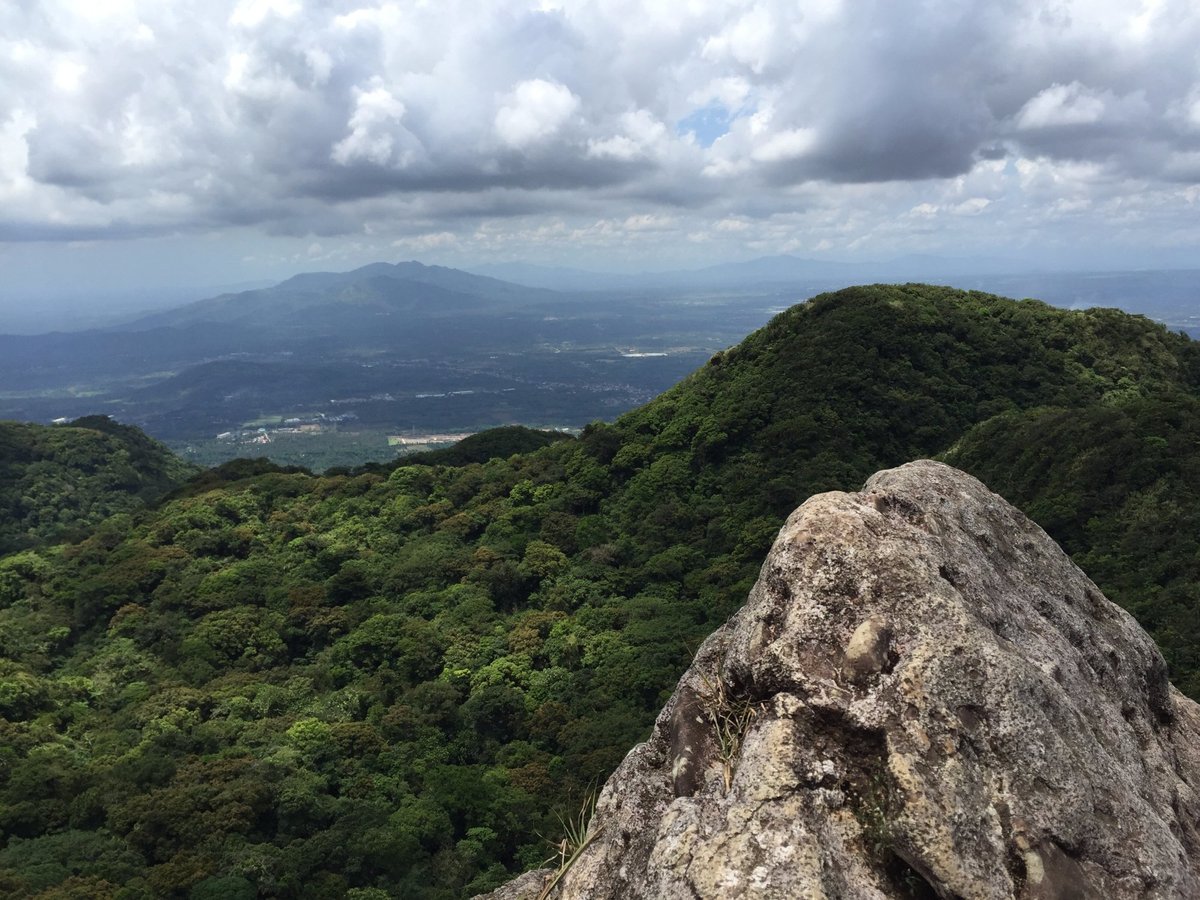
[
  {"x": 415, "y": 272},
  {"x": 403, "y": 679},
  {"x": 922, "y": 697},
  {"x": 395, "y": 347},
  {"x": 406, "y": 306},
  {"x": 321, "y": 299},
  {"x": 389, "y": 348},
  {"x": 61, "y": 480},
  {"x": 1169, "y": 296}
]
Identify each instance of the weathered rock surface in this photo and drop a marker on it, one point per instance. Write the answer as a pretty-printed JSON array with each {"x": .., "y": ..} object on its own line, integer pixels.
[{"x": 922, "y": 697}]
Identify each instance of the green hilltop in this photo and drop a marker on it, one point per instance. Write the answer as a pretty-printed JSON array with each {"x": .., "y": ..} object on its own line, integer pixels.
[
  {"x": 58, "y": 481},
  {"x": 395, "y": 682}
]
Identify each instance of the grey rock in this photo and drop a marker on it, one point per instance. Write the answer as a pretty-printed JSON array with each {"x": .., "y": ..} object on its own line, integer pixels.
[
  {"x": 922, "y": 697},
  {"x": 868, "y": 650},
  {"x": 525, "y": 887}
]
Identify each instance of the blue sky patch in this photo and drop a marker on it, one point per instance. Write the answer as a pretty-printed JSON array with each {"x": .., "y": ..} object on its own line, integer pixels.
[{"x": 707, "y": 123}]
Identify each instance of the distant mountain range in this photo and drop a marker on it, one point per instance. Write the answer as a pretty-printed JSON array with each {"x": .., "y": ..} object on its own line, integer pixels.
[
  {"x": 387, "y": 347},
  {"x": 348, "y": 301},
  {"x": 406, "y": 307},
  {"x": 416, "y": 347}
]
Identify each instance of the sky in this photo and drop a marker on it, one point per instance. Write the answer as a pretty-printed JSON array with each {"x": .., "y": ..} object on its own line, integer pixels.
[{"x": 148, "y": 145}]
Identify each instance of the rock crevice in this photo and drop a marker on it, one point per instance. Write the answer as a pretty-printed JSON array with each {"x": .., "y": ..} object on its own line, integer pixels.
[{"x": 923, "y": 696}]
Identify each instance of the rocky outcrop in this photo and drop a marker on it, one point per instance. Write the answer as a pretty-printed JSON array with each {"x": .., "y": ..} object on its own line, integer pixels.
[{"x": 922, "y": 697}]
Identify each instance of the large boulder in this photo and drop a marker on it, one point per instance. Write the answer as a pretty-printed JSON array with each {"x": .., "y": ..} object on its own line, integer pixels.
[{"x": 922, "y": 697}]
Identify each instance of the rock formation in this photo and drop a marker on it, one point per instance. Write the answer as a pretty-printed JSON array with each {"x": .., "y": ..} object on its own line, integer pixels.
[{"x": 922, "y": 697}]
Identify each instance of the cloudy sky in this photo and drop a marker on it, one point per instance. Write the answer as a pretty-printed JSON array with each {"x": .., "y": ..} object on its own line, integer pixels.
[{"x": 149, "y": 142}]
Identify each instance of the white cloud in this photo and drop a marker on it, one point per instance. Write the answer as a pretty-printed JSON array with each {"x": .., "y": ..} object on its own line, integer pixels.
[
  {"x": 1044, "y": 176},
  {"x": 786, "y": 145},
  {"x": 1069, "y": 206},
  {"x": 252, "y": 13},
  {"x": 1062, "y": 104},
  {"x": 752, "y": 40},
  {"x": 68, "y": 75},
  {"x": 642, "y": 135},
  {"x": 14, "y": 154},
  {"x": 972, "y": 206},
  {"x": 731, "y": 91},
  {"x": 320, "y": 63},
  {"x": 423, "y": 243},
  {"x": 533, "y": 111},
  {"x": 372, "y": 130},
  {"x": 618, "y": 146},
  {"x": 731, "y": 224},
  {"x": 1193, "y": 110},
  {"x": 649, "y": 222}
]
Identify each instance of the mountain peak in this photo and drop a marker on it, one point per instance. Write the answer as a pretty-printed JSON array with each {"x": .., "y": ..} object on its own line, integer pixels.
[{"x": 923, "y": 696}]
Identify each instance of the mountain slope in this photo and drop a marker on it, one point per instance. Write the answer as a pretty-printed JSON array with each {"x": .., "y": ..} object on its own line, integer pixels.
[
  {"x": 402, "y": 306},
  {"x": 420, "y": 348},
  {"x": 299, "y": 686},
  {"x": 380, "y": 288},
  {"x": 437, "y": 276},
  {"x": 65, "y": 479},
  {"x": 495, "y": 443},
  {"x": 849, "y": 382}
]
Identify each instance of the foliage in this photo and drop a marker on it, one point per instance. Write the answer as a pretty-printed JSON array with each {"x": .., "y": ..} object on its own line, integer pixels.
[
  {"x": 388, "y": 682},
  {"x": 578, "y": 835},
  {"x": 58, "y": 481},
  {"x": 731, "y": 717}
]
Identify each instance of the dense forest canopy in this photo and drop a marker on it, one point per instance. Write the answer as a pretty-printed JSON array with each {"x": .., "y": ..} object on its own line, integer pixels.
[
  {"x": 393, "y": 682},
  {"x": 57, "y": 481}
]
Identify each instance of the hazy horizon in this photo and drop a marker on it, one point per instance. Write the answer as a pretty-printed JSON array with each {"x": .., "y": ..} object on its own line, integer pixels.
[
  {"x": 84, "y": 309},
  {"x": 149, "y": 148}
]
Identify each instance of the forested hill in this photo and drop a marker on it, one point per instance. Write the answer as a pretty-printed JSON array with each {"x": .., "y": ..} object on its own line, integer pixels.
[
  {"x": 393, "y": 683},
  {"x": 61, "y": 480}
]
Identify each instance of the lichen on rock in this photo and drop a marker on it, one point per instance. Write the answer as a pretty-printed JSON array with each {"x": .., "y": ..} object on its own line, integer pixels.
[{"x": 944, "y": 706}]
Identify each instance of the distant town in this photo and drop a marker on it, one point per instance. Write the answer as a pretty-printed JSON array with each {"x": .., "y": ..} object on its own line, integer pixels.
[{"x": 264, "y": 432}]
